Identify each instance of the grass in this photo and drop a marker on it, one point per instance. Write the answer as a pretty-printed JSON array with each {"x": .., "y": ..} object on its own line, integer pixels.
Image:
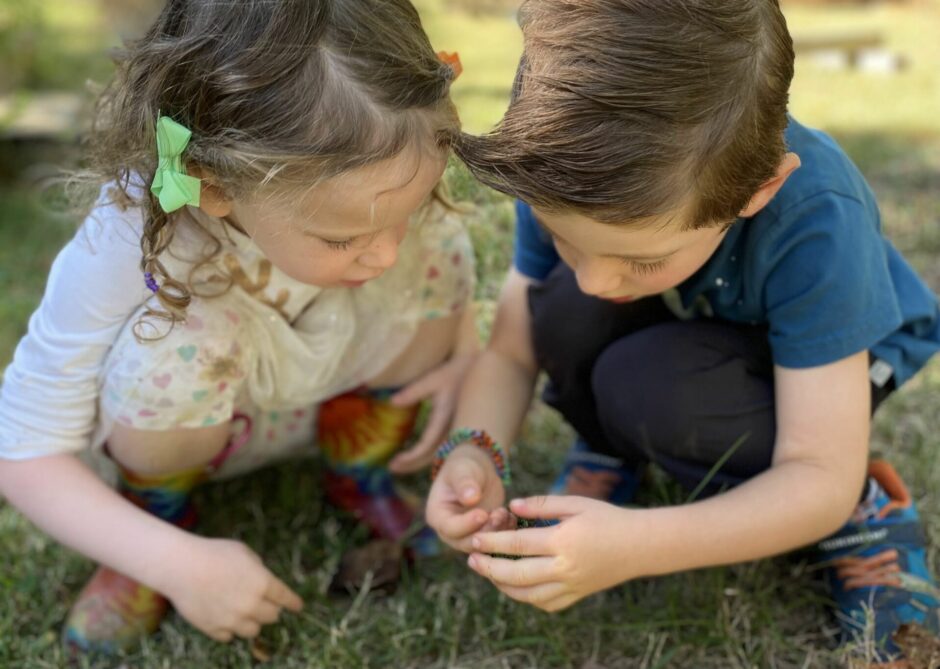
[{"x": 764, "y": 614}]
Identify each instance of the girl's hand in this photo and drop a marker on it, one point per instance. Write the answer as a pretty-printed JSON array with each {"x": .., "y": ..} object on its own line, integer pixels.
[
  {"x": 223, "y": 589},
  {"x": 442, "y": 385},
  {"x": 565, "y": 562},
  {"x": 466, "y": 489}
]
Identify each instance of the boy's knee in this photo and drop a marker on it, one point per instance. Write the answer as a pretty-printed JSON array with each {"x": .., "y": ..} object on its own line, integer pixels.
[{"x": 642, "y": 396}]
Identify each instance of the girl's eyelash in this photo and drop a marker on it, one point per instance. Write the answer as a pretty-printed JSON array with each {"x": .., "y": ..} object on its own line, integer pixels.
[
  {"x": 646, "y": 267},
  {"x": 339, "y": 245}
]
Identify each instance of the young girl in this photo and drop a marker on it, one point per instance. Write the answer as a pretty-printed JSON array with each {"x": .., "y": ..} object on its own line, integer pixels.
[{"x": 267, "y": 246}]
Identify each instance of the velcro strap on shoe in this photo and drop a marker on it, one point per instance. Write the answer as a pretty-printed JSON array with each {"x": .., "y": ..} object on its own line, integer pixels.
[{"x": 857, "y": 539}]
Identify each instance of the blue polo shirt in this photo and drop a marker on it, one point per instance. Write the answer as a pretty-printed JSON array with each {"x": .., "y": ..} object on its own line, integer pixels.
[{"x": 812, "y": 265}]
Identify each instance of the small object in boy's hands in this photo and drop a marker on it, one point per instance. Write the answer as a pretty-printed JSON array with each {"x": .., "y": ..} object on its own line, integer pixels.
[
  {"x": 381, "y": 557},
  {"x": 521, "y": 524}
]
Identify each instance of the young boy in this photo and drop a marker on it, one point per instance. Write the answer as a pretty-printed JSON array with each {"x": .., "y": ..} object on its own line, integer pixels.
[{"x": 705, "y": 282}]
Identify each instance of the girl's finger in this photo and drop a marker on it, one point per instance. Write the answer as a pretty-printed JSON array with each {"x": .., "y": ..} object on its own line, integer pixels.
[
  {"x": 418, "y": 455},
  {"x": 415, "y": 391},
  {"x": 267, "y": 613},
  {"x": 526, "y": 572},
  {"x": 280, "y": 595},
  {"x": 532, "y": 542},
  {"x": 247, "y": 629},
  {"x": 222, "y": 636}
]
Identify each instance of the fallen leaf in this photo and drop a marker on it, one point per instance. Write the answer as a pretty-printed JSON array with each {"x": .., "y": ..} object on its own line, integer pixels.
[
  {"x": 380, "y": 556},
  {"x": 260, "y": 651},
  {"x": 921, "y": 648}
]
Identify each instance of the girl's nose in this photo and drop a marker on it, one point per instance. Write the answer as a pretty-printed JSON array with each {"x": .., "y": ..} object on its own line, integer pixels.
[{"x": 383, "y": 251}]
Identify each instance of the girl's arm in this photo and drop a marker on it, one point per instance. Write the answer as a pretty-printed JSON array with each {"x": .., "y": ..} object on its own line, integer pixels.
[
  {"x": 221, "y": 587},
  {"x": 495, "y": 397},
  {"x": 823, "y": 417}
]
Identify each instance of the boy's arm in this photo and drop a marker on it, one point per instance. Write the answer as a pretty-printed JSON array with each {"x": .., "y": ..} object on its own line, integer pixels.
[
  {"x": 498, "y": 389},
  {"x": 823, "y": 417},
  {"x": 495, "y": 397}
]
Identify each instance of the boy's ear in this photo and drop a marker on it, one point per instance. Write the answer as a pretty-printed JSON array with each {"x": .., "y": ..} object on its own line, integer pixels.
[
  {"x": 790, "y": 164},
  {"x": 212, "y": 199}
]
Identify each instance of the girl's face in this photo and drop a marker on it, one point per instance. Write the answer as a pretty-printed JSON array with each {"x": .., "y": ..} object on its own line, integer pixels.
[{"x": 346, "y": 230}]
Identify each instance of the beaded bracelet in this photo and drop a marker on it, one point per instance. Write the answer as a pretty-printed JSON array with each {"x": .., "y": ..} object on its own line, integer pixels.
[{"x": 480, "y": 439}]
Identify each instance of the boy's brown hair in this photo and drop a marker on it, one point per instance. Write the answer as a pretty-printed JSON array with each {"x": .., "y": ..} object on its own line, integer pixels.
[{"x": 624, "y": 110}]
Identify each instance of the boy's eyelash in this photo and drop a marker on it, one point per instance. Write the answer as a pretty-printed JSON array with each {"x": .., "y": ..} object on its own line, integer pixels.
[
  {"x": 645, "y": 267},
  {"x": 636, "y": 266}
]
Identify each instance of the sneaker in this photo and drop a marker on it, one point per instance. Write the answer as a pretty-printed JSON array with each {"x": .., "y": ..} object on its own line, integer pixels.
[
  {"x": 589, "y": 474},
  {"x": 877, "y": 569}
]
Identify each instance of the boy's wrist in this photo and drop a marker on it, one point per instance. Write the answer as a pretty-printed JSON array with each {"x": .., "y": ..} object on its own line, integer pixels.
[{"x": 480, "y": 441}]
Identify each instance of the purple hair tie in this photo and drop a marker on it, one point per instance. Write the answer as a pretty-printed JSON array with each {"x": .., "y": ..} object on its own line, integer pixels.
[{"x": 151, "y": 282}]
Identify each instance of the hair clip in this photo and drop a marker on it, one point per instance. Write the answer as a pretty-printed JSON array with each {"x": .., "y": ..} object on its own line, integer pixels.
[
  {"x": 452, "y": 61},
  {"x": 172, "y": 186},
  {"x": 151, "y": 283}
]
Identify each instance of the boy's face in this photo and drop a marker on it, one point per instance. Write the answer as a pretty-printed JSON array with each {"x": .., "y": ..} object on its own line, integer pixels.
[{"x": 625, "y": 263}]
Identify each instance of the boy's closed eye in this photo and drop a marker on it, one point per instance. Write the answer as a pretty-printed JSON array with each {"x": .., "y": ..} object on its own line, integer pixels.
[{"x": 644, "y": 267}]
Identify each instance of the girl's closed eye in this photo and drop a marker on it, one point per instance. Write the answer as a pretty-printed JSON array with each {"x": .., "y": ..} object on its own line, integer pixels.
[{"x": 338, "y": 244}]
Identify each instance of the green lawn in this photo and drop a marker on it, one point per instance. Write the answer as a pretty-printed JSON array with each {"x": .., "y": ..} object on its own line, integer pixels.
[{"x": 766, "y": 614}]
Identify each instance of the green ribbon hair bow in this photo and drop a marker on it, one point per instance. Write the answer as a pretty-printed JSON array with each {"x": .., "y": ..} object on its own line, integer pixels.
[{"x": 172, "y": 186}]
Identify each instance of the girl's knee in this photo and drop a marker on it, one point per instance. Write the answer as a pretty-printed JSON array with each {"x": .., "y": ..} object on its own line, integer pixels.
[{"x": 167, "y": 451}]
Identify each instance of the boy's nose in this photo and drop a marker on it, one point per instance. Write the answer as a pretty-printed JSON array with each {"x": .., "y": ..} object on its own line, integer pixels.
[{"x": 593, "y": 279}]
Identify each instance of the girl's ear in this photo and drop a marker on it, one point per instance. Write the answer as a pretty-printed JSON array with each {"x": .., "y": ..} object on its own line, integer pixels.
[{"x": 212, "y": 199}]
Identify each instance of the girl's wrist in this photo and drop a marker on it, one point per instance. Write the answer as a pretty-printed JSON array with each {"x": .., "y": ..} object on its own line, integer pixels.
[{"x": 173, "y": 551}]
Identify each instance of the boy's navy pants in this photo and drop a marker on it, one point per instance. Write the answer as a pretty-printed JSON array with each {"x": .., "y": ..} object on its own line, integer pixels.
[{"x": 638, "y": 383}]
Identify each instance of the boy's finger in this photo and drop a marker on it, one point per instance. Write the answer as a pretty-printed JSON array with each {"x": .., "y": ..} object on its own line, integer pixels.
[
  {"x": 537, "y": 595},
  {"x": 519, "y": 573},
  {"x": 460, "y": 526},
  {"x": 465, "y": 485},
  {"x": 500, "y": 519},
  {"x": 547, "y": 507},
  {"x": 532, "y": 542},
  {"x": 283, "y": 596}
]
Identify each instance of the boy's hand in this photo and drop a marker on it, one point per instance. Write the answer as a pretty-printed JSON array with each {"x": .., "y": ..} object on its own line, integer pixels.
[
  {"x": 562, "y": 563},
  {"x": 223, "y": 589},
  {"x": 466, "y": 490},
  {"x": 442, "y": 385}
]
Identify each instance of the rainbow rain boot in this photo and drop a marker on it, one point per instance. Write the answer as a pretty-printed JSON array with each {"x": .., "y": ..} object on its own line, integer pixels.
[
  {"x": 114, "y": 612},
  {"x": 358, "y": 433}
]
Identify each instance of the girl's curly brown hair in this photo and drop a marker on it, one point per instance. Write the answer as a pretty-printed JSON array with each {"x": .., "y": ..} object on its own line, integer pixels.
[{"x": 285, "y": 92}]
